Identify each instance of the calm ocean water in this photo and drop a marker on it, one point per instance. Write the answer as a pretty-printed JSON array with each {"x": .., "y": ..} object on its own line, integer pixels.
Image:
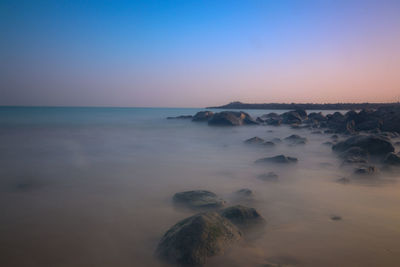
[{"x": 93, "y": 187}]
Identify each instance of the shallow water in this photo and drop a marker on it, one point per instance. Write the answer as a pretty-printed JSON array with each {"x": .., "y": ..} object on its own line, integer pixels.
[{"x": 93, "y": 187}]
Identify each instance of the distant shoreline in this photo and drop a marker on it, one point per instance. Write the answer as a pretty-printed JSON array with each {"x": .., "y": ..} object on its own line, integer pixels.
[{"x": 309, "y": 106}]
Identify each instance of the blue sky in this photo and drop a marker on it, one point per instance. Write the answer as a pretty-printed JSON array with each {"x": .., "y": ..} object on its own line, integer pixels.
[{"x": 198, "y": 53}]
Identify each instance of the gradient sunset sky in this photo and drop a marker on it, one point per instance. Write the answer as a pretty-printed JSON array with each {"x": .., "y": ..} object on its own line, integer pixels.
[{"x": 198, "y": 53}]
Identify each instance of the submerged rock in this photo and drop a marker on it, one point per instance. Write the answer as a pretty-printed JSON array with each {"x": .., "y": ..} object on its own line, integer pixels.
[
  {"x": 198, "y": 199},
  {"x": 295, "y": 139},
  {"x": 277, "y": 159},
  {"x": 270, "y": 176},
  {"x": 243, "y": 217},
  {"x": 365, "y": 170},
  {"x": 374, "y": 145},
  {"x": 268, "y": 144},
  {"x": 231, "y": 118},
  {"x": 203, "y": 116},
  {"x": 194, "y": 239},
  {"x": 336, "y": 218},
  {"x": 392, "y": 159},
  {"x": 244, "y": 192},
  {"x": 254, "y": 140}
]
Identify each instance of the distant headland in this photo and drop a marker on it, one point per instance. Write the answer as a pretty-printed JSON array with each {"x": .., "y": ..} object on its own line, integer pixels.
[{"x": 309, "y": 106}]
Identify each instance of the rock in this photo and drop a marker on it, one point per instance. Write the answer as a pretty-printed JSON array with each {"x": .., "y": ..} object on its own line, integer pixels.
[
  {"x": 243, "y": 217},
  {"x": 245, "y": 192},
  {"x": 295, "y": 139},
  {"x": 336, "y": 218},
  {"x": 335, "y": 137},
  {"x": 277, "y": 159},
  {"x": 274, "y": 121},
  {"x": 291, "y": 117},
  {"x": 374, "y": 145},
  {"x": 317, "y": 116},
  {"x": 254, "y": 140},
  {"x": 194, "y": 239},
  {"x": 277, "y": 140},
  {"x": 231, "y": 118},
  {"x": 203, "y": 116},
  {"x": 354, "y": 155},
  {"x": 270, "y": 176},
  {"x": 397, "y": 143},
  {"x": 392, "y": 159},
  {"x": 268, "y": 144},
  {"x": 365, "y": 170},
  {"x": 198, "y": 199},
  {"x": 327, "y": 143},
  {"x": 302, "y": 113},
  {"x": 180, "y": 117}
]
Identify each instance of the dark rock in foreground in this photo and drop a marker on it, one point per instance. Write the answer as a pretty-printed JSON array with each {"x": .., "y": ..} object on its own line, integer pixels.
[
  {"x": 203, "y": 116},
  {"x": 277, "y": 159},
  {"x": 231, "y": 118},
  {"x": 198, "y": 199},
  {"x": 243, "y": 217},
  {"x": 392, "y": 159},
  {"x": 374, "y": 145},
  {"x": 194, "y": 239}
]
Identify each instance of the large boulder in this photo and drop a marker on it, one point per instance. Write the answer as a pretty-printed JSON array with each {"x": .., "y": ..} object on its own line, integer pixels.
[
  {"x": 392, "y": 159},
  {"x": 374, "y": 145},
  {"x": 243, "y": 217},
  {"x": 194, "y": 239},
  {"x": 317, "y": 116},
  {"x": 203, "y": 116},
  {"x": 198, "y": 199},
  {"x": 277, "y": 159},
  {"x": 231, "y": 118}
]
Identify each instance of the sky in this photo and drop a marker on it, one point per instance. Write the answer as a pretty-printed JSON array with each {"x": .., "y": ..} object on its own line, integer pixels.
[{"x": 185, "y": 53}]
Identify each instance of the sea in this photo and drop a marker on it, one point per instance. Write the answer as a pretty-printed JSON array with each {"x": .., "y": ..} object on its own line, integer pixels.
[{"x": 93, "y": 186}]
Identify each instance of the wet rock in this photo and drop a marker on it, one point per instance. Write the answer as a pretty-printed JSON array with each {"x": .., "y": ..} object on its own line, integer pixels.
[
  {"x": 365, "y": 170},
  {"x": 354, "y": 155},
  {"x": 268, "y": 144},
  {"x": 336, "y": 218},
  {"x": 198, "y": 199},
  {"x": 291, "y": 117},
  {"x": 231, "y": 118},
  {"x": 254, "y": 140},
  {"x": 191, "y": 241},
  {"x": 317, "y": 116},
  {"x": 374, "y": 145},
  {"x": 281, "y": 159},
  {"x": 327, "y": 143},
  {"x": 203, "y": 116},
  {"x": 270, "y": 176},
  {"x": 274, "y": 121},
  {"x": 295, "y": 139},
  {"x": 180, "y": 117},
  {"x": 243, "y": 217},
  {"x": 244, "y": 192},
  {"x": 392, "y": 159}
]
